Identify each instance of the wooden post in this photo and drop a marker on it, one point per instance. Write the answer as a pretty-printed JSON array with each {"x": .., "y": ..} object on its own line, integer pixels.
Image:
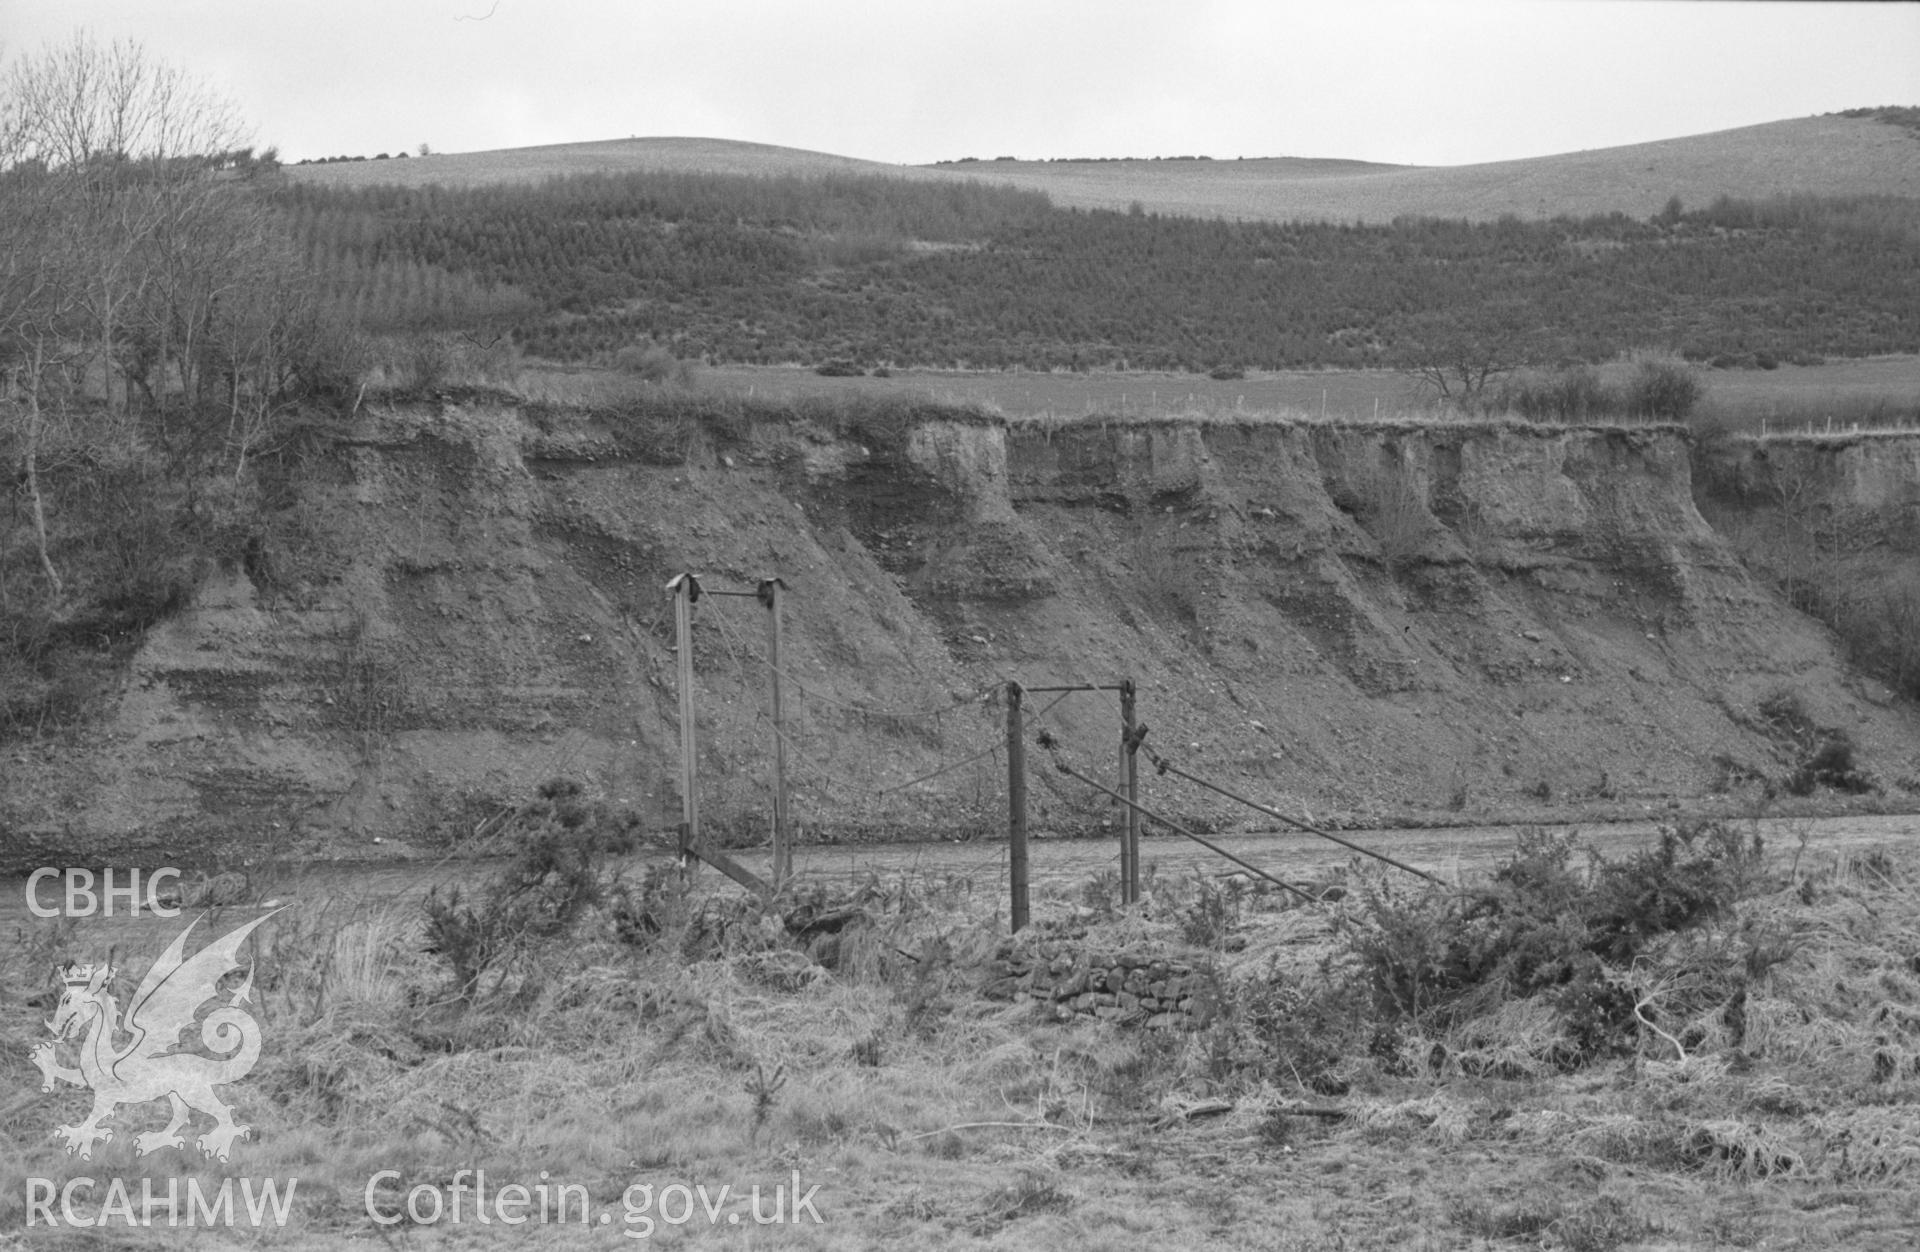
[
  {"x": 770, "y": 589},
  {"x": 1130, "y": 771},
  {"x": 1017, "y": 805},
  {"x": 686, "y": 589}
]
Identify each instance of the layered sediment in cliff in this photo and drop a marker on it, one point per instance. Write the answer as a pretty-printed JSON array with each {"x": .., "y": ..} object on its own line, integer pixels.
[
  {"x": 1371, "y": 622},
  {"x": 1832, "y": 522}
]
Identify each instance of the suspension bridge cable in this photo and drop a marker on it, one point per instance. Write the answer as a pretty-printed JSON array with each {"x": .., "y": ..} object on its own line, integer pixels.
[
  {"x": 1165, "y": 766},
  {"x": 1047, "y": 742}
]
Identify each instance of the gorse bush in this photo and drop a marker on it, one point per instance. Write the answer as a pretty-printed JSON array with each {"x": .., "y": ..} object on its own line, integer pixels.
[
  {"x": 1312, "y": 1033},
  {"x": 559, "y": 875},
  {"x": 1541, "y": 926}
]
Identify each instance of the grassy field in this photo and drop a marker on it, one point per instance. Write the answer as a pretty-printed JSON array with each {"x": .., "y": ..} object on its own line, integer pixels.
[
  {"x": 1022, "y": 393},
  {"x": 1764, "y": 1099},
  {"x": 1881, "y": 391},
  {"x": 1873, "y": 393},
  {"x": 1814, "y": 155}
]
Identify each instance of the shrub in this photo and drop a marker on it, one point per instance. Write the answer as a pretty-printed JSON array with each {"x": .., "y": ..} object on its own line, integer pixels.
[
  {"x": 1824, "y": 754},
  {"x": 1657, "y": 891},
  {"x": 838, "y": 368},
  {"x": 426, "y": 363},
  {"x": 1539, "y": 927},
  {"x": 653, "y": 913},
  {"x": 1213, "y": 913},
  {"x": 1573, "y": 395},
  {"x": 1310, "y": 1034},
  {"x": 652, "y": 362},
  {"x": 1658, "y": 391},
  {"x": 471, "y": 939},
  {"x": 1662, "y": 391},
  {"x": 1830, "y": 764},
  {"x": 559, "y": 875}
]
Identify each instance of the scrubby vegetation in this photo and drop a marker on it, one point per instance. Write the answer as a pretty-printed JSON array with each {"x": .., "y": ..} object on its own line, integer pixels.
[
  {"x": 1658, "y": 391},
  {"x": 1698, "y": 1038},
  {"x": 1547, "y": 931}
]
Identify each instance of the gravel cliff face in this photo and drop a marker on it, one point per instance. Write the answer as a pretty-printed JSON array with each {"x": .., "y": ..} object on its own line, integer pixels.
[
  {"x": 1376, "y": 622},
  {"x": 1853, "y": 479}
]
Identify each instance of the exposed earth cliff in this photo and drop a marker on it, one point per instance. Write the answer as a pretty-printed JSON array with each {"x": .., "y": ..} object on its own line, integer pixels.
[{"x": 1376, "y": 622}]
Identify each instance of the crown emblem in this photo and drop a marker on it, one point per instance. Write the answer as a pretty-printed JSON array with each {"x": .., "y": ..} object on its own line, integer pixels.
[{"x": 76, "y": 975}]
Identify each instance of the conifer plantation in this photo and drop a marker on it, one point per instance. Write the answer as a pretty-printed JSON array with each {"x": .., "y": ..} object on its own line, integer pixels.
[{"x": 896, "y": 272}]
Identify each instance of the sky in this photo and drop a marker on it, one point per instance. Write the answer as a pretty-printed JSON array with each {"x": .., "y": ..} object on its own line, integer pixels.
[{"x": 1440, "y": 82}]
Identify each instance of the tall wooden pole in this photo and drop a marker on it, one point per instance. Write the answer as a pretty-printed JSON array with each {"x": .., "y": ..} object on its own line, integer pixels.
[
  {"x": 685, "y": 590},
  {"x": 770, "y": 589},
  {"x": 1130, "y": 771},
  {"x": 1017, "y": 805}
]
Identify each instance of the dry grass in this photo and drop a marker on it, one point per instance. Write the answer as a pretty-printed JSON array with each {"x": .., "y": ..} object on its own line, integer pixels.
[{"x": 933, "y": 1118}]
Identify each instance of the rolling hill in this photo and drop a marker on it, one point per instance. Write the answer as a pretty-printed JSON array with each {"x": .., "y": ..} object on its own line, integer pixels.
[{"x": 1827, "y": 155}]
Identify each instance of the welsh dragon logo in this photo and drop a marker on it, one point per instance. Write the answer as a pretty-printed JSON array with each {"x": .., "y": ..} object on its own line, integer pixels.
[{"x": 146, "y": 1067}]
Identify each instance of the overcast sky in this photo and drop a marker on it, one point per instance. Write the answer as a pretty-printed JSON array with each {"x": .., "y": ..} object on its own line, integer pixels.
[{"x": 1439, "y": 83}]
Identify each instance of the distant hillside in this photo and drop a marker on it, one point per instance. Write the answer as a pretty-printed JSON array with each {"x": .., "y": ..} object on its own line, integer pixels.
[
  {"x": 1813, "y": 155},
  {"x": 609, "y": 156},
  {"x": 1832, "y": 155}
]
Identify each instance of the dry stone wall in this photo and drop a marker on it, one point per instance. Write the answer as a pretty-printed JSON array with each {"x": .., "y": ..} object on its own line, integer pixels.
[{"x": 1157, "y": 990}]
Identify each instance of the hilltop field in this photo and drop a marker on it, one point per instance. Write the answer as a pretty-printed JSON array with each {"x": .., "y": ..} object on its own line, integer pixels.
[{"x": 1828, "y": 156}]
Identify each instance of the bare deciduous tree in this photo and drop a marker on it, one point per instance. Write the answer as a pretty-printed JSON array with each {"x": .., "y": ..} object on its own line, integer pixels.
[
  {"x": 117, "y": 242},
  {"x": 39, "y": 322},
  {"x": 78, "y": 102},
  {"x": 1460, "y": 354}
]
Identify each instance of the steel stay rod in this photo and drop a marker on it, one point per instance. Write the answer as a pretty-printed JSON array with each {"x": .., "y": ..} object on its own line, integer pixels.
[
  {"x": 1163, "y": 764},
  {"x": 1178, "y": 829},
  {"x": 1075, "y": 687}
]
